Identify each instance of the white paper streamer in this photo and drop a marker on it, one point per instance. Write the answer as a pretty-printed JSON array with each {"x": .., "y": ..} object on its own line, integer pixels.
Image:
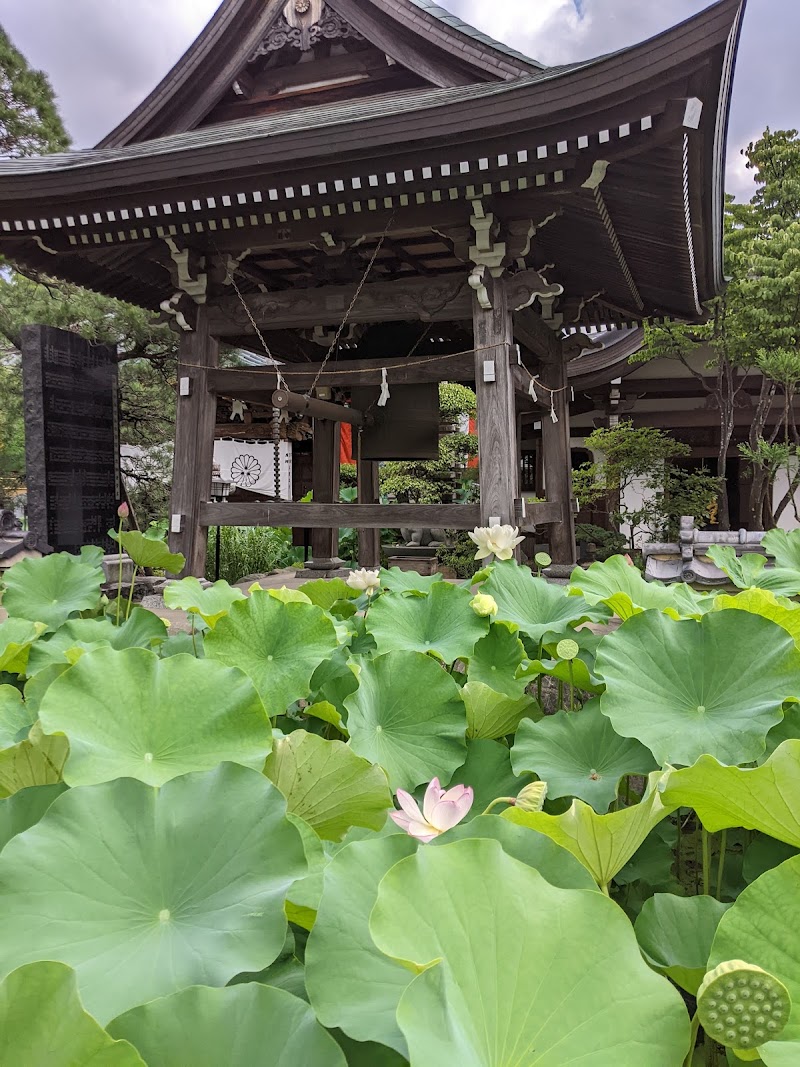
[
  {"x": 532, "y": 391},
  {"x": 385, "y": 394},
  {"x": 553, "y": 416}
]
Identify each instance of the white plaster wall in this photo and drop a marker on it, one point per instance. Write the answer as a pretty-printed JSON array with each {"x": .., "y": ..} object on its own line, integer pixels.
[{"x": 788, "y": 520}]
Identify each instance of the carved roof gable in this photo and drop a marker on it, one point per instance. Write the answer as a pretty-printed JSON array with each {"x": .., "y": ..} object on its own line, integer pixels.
[{"x": 258, "y": 57}]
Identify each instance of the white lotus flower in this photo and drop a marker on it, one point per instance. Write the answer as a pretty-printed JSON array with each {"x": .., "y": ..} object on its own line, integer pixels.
[
  {"x": 499, "y": 541},
  {"x": 365, "y": 581}
]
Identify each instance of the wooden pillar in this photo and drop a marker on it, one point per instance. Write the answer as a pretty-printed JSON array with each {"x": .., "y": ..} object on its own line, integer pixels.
[
  {"x": 325, "y": 478},
  {"x": 558, "y": 463},
  {"x": 194, "y": 444},
  {"x": 498, "y": 448},
  {"x": 369, "y": 541}
]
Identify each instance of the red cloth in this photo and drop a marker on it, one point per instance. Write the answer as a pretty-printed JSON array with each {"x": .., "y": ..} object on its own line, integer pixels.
[
  {"x": 473, "y": 428},
  {"x": 346, "y": 443}
]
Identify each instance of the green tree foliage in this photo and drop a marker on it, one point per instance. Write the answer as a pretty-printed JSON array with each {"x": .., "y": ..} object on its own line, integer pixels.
[
  {"x": 29, "y": 121},
  {"x": 643, "y": 456}
]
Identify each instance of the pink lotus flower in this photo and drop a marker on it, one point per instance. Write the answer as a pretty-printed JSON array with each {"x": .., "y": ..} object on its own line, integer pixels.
[
  {"x": 123, "y": 511},
  {"x": 441, "y": 810}
]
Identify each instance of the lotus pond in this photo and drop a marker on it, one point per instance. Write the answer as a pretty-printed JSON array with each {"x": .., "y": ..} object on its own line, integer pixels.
[{"x": 198, "y": 864}]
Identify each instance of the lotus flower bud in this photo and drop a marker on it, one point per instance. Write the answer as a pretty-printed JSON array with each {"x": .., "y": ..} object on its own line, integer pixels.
[
  {"x": 532, "y": 797},
  {"x": 123, "y": 510},
  {"x": 484, "y": 605}
]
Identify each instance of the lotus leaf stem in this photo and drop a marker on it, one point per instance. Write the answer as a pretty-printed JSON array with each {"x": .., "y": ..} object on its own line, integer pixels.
[
  {"x": 511, "y": 801},
  {"x": 706, "y": 863},
  {"x": 692, "y": 1040},
  {"x": 130, "y": 594},
  {"x": 119, "y": 576},
  {"x": 723, "y": 849}
]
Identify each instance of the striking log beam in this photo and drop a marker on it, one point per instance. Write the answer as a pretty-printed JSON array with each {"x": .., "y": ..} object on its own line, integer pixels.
[
  {"x": 325, "y": 482},
  {"x": 318, "y": 409}
]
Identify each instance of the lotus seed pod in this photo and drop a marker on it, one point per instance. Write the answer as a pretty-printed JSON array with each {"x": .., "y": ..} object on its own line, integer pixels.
[
  {"x": 755, "y": 1006},
  {"x": 567, "y": 649},
  {"x": 532, "y": 797}
]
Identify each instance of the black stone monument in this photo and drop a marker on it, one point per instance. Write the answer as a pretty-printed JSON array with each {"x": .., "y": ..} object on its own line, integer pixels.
[{"x": 71, "y": 439}]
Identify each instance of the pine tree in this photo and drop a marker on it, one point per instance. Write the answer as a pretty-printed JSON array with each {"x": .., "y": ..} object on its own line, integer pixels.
[{"x": 29, "y": 120}]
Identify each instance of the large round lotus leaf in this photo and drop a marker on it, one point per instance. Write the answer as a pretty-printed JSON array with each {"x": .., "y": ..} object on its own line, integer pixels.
[
  {"x": 325, "y": 592},
  {"x": 496, "y": 659},
  {"x": 25, "y": 808},
  {"x": 335, "y": 679},
  {"x": 761, "y": 855},
  {"x": 132, "y": 715},
  {"x": 491, "y": 714},
  {"x": 244, "y": 1026},
  {"x": 52, "y": 588},
  {"x": 604, "y": 580},
  {"x": 145, "y": 891},
  {"x": 784, "y": 612},
  {"x": 603, "y": 843},
  {"x": 788, "y": 729},
  {"x": 532, "y": 604},
  {"x": 765, "y": 798},
  {"x": 17, "y": 636},
  {"x": 304, "y": 896},
  {"x": 351, "y": 984},
  {"x": 327, "y": 785},
  {"x": 576, "y": 672},
  {"x": 464, "y": 912},
  {"x": 687, "y": 688},
  {"x": 487, "y": 770},
  {"x": 368, "y": 1053},
  {"x": 442, "y": 622},
  {"x": 553, "y": 863},
  {"x": 38, "y": 760},
  {"x": 408, "y": 716},
  {"x": 36, "y": 687},
  {"x": 211, "y": 603},
  {"x": 761, "y": 929},
  {"x": 142, "y": 630},
  {"x": 579, "y": 755},
  {"x": 279, "y": 645},
  {"x": 15, "y": 717},
  {"x": 43, "y": 1023},
  {"x": 149, "y": 551},
  {"x": 408, "y": 581},
  {"x": 675, "y": 935}
]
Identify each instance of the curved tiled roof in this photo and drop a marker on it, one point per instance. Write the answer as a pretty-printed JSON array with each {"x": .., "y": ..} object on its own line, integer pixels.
[{"x": 455, "y": 23}]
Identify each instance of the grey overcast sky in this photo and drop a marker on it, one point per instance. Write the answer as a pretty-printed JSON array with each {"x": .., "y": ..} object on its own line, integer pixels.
[{"x": 104, "y": 56}]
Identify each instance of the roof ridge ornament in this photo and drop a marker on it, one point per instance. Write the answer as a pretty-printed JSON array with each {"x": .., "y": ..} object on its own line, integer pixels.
[{"x": 303, "y": 24}]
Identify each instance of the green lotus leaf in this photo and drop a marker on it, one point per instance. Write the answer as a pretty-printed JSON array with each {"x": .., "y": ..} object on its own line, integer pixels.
[
  {"x": 580, "y": 675},
  {"x": 328, "y": 785},
  {"x": 748, "y": 570},
  {"x": 15, "y": 717},
  {"x": 441, "y": 622},
  {"x": 148, "y": 552},
  {"x": 765, "y": 798},
  {"x": 688, "y": 688},
  {"x": 675, "y": 934},
  {"x": 130, "y": 714},
  {"x": 788, "y": 729},
  {"x": 408, "y": 716},
  {"x": 350, "y": 983},
  {"x": 602, "y": 580},
  {"x": 39, "y": 760},
  {"x": 302, "y": 900},
  {"x": 762, "y": 602},
  {"x": 325, "y": 592},
  {"x": 288, "y": 596},
  {"x": 142, "y": 630},
  {"x": 279, "y": 645},
  {"x": 25, "y": 808},
  {"x": 334, "y": 680},
  {"x": 37, "y": 686},
  {"x": 761, "y": 855},
  {"x": 43, "y": 1023},
  {"x": 326, "y": 712},
  {"x": 162, "y": 888},
  {"x": 243, "y": 1026},
  {"x": 17, "y": 637},
  {"x": 579, "y": 755},
  {"x": 761, "y": 928},
  {"x": 487, "y": 770},
  {"x": 554, "y": 863},
  {"x": 211, "y": 603},
  {"x": 652, "y": 861},
  {"x": 398, "y": 581},
  {"x": 368, "y": 1053},
  {"x": 491, "y": 714},
  {"x": 603, "y": 843},
  {"x": 532, "y": 604},
  {"x": 50, "y": 589},
  {"x": 181, "y": 644},
  {"x": 496, "y": 659},
  {"x": 555, "y": 1005},
  {"x": 784, "y": 546}
]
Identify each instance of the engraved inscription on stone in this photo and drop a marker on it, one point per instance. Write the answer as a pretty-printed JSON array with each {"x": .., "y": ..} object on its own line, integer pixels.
[{"x": 72, "y": 438}]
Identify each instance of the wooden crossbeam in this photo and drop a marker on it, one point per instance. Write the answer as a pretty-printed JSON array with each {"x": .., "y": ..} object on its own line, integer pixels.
[{"x": 358, "y": 516}]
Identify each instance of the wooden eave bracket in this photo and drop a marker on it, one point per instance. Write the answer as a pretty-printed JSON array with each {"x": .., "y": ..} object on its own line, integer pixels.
[
  {"x": 189, "y": 272},
  {"x": 172, "y": 309}
]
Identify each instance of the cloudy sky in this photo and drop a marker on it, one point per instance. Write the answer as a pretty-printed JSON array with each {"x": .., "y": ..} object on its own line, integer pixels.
[{"x": 104, "y": 56}]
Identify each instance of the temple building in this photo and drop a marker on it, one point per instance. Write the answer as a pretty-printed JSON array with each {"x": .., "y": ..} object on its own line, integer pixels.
[{"x": 380, "y": 198}]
